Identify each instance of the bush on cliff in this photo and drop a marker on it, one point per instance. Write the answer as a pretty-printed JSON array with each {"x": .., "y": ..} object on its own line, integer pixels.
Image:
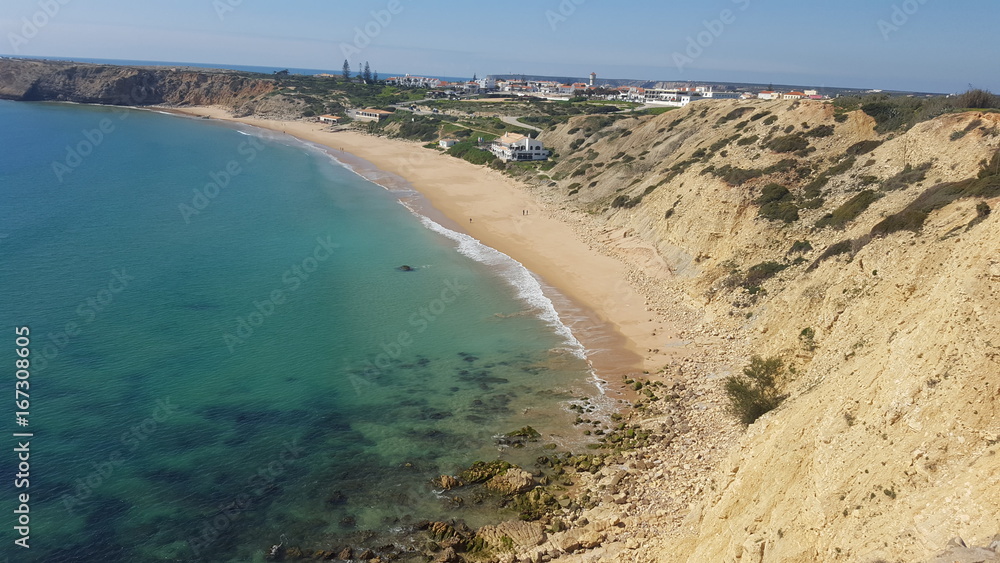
[{"x": 755, "y": 393}]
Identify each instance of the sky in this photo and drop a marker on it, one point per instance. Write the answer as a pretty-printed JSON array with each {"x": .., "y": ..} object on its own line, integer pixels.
[{"x": 915, "y": 45}]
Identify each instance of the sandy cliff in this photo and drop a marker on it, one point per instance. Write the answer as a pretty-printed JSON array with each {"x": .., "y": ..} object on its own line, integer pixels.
[{"x": 887, "y": 445}]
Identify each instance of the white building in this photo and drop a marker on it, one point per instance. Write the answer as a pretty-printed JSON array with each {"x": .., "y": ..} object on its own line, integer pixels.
[
  {"x": 372, "y": 114},
  {"x": 414, "y": 81},
  {"x": 447, "y": 143},
  {"x": 333, "y": 119},
  {"x": 487, "y": 83},
  {"x": 518, "y": 148}
]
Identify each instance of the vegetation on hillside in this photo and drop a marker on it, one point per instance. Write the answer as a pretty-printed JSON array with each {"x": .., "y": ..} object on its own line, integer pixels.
[
  {"x": 755, "y": 392},
  {"x": 901, "y": 113}
]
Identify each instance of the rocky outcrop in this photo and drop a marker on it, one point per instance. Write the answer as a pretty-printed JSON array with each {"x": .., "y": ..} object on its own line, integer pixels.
[
  {"x": 512, "y": 536},
  {"x": 34, "y": 80},
  {"x": 511, "y": 482}
]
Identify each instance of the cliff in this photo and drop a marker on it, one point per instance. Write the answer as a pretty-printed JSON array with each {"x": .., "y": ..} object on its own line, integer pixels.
[
  {"x": 876, "y": 282},
  {"x": 35, "y": 80}
]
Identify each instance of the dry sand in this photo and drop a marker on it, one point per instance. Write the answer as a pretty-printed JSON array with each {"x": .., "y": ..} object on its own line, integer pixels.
[{"x": 547, "y": 246}]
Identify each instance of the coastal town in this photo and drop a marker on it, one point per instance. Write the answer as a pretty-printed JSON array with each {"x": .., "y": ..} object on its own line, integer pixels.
[
  {"x": 552, "y": 90},
  {"x": 522, "y": 147}
]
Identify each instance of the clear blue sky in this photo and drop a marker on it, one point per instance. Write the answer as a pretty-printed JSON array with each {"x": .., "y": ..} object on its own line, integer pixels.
[{"x": 941, "y": 46}]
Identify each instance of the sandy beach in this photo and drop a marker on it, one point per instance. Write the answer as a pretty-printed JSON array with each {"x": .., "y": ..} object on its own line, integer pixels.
[{"x": 503, "y": 215}]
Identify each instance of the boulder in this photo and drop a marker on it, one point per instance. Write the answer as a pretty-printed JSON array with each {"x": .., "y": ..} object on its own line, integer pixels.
[
  {"x": 522, "y": 535},
  {"x": 447, "y": 482},
  {"x": 511, "y": 482},
  {"x": 447, "y": 556}
]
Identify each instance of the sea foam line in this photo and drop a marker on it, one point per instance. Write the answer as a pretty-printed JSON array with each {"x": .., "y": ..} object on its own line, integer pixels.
[{"x": 524, "y": 281}]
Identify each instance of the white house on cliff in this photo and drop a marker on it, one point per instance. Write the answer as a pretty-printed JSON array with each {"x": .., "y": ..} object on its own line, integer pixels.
[{"x": 515, "y": 147}]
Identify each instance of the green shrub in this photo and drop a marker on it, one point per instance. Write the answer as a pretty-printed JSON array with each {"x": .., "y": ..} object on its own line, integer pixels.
[
  {"x": 788, "y": 143},
  {"x": 760, "y": 273},
  {"x": 800, "y": 246},
  {"x": 748, "y": 140},
  {"x": 781, "y": 166},
  {"x": 850, "y": 210},
  {"x": 958, "y": 135},
  {"x": 907, "y": 177},
  {"x": 736, "y": 176},
  {"x": 771, "y": 120},
  {"x": 913, "y": 216},
  {"x": 978, "y": 99},
  {"x": 759, "y": 116},
  {"x": 863, "y": 147},
  {"x": 821, "y": 131},
  {"x": 808, "y": 339},
  {"x": 755, "y": 393},
  {"x": 777, "y": 204},
  {"x": 467, "y": 150},
  {"x": 841, "y": 167},
  {"x": 722, "y": 143},
  {"x": 814, "y": 189},
  {"x": 772, "y": 193},
  {"x": 842, "y": 247},
  {"x": 734, "y": 115}
]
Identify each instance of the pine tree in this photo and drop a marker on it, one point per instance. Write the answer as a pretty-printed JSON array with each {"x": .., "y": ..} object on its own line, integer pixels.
[
  {"x": 375, "y": 76},
  {"x": 367, "y": 74},
  {"x": 474, "y": 77},
  {"x": 347, "y": 70}
]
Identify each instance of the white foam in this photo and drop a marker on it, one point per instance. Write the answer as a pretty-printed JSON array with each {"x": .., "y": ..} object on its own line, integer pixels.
[{"x": 528, "y": 288}]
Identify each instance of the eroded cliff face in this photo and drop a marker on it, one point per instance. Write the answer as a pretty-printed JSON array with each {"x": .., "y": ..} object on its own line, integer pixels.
[
  {"x": 30, "y": 80},
  {"x": 887, "y": 445}
]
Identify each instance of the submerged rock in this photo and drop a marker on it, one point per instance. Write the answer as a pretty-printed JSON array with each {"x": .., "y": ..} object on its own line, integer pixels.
[
  {"x": 405, "y": 268},
  {"x": 447, "y": 482}
]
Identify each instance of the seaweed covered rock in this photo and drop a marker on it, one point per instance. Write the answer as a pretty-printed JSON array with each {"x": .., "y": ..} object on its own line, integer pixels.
[
  {"x": 511, "y": 482},
  {"x": 483, "y": 471}
]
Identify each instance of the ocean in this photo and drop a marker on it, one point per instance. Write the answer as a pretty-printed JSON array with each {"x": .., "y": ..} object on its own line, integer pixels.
[
  {"x": 226, "y": 353},
  {"x": 227, "y": 66}
]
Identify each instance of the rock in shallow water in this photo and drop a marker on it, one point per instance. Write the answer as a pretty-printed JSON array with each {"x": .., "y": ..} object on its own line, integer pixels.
[{"x": 513, "y": 481}]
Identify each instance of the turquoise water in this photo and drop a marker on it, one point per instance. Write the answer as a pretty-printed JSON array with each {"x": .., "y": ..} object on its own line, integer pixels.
[{"x": 217, "y": 373}]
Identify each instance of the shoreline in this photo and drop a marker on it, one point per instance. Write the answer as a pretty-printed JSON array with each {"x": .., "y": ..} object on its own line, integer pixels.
[{"x": 620, "y": 332}]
